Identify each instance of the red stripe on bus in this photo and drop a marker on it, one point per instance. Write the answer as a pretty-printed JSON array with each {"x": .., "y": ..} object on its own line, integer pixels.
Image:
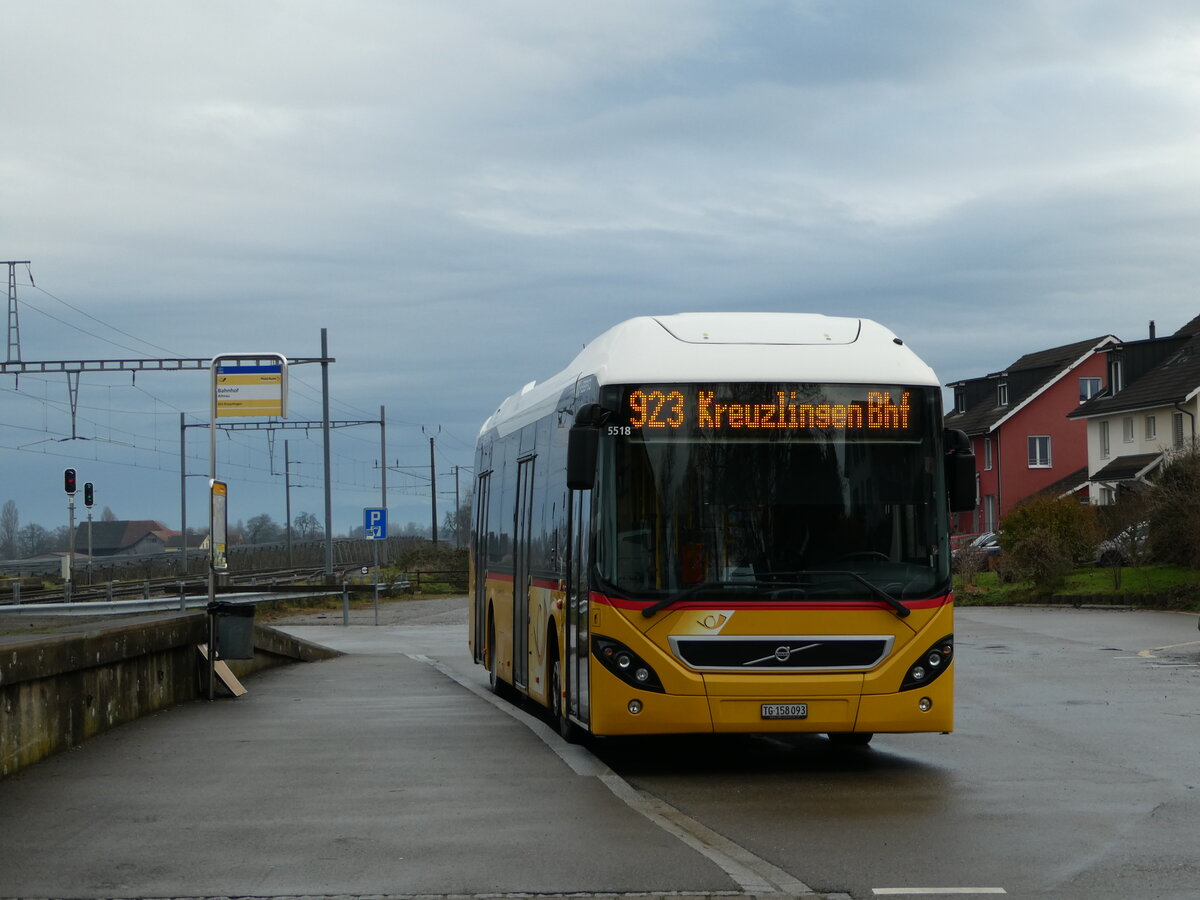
[
  {"x": 622, "y": 603},
  {"x": 548, "y": 583}
]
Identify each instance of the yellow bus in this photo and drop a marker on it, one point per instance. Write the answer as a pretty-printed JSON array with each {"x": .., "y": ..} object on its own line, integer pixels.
[{"x": 723, "y": 522}]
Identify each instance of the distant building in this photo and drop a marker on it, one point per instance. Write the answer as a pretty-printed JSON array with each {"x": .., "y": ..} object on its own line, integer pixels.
[
  {"x": 1017, "y": 420},
  {"x": 1147, "y": 411},
  {"x": 125, "y": 538}
]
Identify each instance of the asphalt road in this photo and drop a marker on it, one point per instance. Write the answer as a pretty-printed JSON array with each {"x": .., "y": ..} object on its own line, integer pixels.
[{"x": 1074, "y": 772}]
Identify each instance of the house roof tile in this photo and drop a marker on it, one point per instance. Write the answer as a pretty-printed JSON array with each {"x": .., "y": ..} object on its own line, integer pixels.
[
  {"x": 1025, "y": 377},
  {"x": 1171, "y": 381},
  {"x": 1125, "y": 468}
]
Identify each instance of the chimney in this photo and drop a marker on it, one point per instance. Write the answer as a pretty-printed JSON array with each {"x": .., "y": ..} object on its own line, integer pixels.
[{"x": 1151, "y": 329}]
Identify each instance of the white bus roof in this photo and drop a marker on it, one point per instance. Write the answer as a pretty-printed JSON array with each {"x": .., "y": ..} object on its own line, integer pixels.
[{"x": 713, "y": 347}]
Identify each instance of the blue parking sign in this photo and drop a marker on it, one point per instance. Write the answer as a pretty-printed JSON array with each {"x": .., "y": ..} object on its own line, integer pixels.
[{"x": 375, "y": 524}]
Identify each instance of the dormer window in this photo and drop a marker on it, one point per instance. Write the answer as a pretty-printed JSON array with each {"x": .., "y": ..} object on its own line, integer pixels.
[
  {"x": 1116, "y": 378},
  {"x": 960, "y": 399},
  {"x": 1002, "y": 393}
]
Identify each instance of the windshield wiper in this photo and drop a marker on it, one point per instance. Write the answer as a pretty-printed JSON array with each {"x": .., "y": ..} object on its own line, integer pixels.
[
  {"x": 692, "y": 591},
  {"x": 879, "y": 593}
]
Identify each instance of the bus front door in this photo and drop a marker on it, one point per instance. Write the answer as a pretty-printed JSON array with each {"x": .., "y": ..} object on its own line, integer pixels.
[
  {"x": 578, "y": 594},
  {"x": 481, "y": 550}
]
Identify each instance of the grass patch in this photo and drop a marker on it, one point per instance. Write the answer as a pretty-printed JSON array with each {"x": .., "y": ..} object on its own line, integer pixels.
[{"x": 1152, "y": 587}]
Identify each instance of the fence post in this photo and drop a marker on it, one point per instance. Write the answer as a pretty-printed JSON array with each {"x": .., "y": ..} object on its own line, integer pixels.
[
  {"x": 182, "y": 598},
  {"x": 109, "y": 591},
  {"x": 345, "y": 603},
  {"x": 17, "y": 592}
]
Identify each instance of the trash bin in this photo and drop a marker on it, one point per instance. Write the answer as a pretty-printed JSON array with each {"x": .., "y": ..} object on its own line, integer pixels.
[{"x": 234, "y": 628}]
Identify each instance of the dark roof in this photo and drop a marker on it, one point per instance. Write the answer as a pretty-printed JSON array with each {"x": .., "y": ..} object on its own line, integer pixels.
[
  {"x": 113, "y": 537},
  {"x": 1025, "y": 377},
  {"x": 1068, "y": 484},
  {"x": 1170, "y": 381},
  {"x": 1126, "y": 468},
  {"x": 1191, "y": 328}
]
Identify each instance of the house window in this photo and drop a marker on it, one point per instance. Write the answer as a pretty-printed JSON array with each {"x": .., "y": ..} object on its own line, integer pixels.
[
  {"x": 1116, "y": 377},
  {"x": 987, "y": 454},
  {"x": 1088, "y": 388},
  {"x": 1151, "y": 428},
  {"x": 1107, "y": 495},
  {"x": 960, "y": 399},
  {"x": 989, "y": 512},
  {"x": 1039, "y": 451},
  {"x": 1002, "y": 394},
  {"x": 1127, "y": 429},
  {"x": 1104, "y": 447},
  {"x": 1177, "y": 429}
]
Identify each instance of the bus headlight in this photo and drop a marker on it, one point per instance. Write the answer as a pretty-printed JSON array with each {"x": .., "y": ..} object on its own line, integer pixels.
[
  {"x": 625, "y": 664},
  {"x": 932, "y": 663}
]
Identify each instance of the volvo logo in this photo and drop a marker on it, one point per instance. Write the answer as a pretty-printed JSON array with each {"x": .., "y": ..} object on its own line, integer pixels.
[{"x": 782, "y": 654}]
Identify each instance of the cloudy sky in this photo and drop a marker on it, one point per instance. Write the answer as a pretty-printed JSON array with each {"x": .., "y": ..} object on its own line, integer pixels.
[{"x": 463, "y": 193}]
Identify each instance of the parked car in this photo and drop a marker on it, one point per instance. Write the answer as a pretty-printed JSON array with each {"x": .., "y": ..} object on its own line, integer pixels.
[
  {"x": 985, "y": 545},
  {"x": 1130, "y": 545}
]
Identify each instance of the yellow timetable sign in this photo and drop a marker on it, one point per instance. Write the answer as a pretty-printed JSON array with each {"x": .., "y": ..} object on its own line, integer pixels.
[{"x": 251, "y": 391}]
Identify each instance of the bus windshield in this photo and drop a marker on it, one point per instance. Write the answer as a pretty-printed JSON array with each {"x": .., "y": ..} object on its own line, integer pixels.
[{"x": 772, "y": 490}]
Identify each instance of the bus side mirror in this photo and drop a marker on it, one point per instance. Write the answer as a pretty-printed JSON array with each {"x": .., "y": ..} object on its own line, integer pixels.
[
  {"x": 583, "y": 445},
  {"x": 583, "y": 442},
  {"x": 960, "y": 471}
]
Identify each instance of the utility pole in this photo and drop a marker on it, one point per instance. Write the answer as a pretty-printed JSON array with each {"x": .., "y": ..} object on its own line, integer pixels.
[
  {"x": 287, "y": 491},
  {"x": 14, "y": 328},
  {"x": 457, "y": 523},
  {"x": 433, "y": 482},
  {"x": 328, "y": 469}
]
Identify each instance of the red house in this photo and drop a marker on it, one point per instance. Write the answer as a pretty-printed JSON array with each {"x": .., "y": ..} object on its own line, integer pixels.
[{"x": 1017, "y": 421}]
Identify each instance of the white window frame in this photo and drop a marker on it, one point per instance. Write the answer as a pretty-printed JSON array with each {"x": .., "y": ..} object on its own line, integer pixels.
[
  {"x": 987, "y": 454},
  {"x": 1177, "y": 430},
  {"x": 1127, "y": 429},
  {"x": 1151, "y": 428},
  {"x": 1002, "y": 394},
  {"x": 1089, "y": 387},
  {"x": 1105, "y": 446},
  {"x": 1036, "y": 460}
]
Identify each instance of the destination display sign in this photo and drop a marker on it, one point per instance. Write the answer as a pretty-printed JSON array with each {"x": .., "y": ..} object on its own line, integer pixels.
[{"x": 660, "y": 411}]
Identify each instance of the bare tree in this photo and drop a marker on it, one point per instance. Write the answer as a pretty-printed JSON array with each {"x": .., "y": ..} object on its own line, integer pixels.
[
  {"x": 261, "y": 529},
  {"x": 1174, "y": 514},
  {"x": 306, "y": 526},
  {"x": 34, "y": 539},
  {"x": 10, "y": 525},
  {"x": 457, "y": 525}
]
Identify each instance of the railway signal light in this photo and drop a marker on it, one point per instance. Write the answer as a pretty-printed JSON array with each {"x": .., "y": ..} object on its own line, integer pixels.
[
  {"x": 69, "y": 481},
  {"x": 89, "y": 494}
]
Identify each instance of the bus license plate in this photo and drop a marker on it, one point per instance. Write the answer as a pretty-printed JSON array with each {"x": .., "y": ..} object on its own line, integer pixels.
[{"x": 785, "y": 710}]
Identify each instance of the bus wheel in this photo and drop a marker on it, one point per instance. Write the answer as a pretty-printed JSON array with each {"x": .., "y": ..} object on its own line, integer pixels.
[
  {"x": 850, "y": 738},
  {"x": 495, "y": 684},
  {"x": 566, "y": 728}
]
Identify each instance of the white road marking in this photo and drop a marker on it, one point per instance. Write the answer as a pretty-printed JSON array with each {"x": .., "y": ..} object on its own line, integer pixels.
[
  {"x": 751, "y": 873},
  {"x": 932, "y": 891}
]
